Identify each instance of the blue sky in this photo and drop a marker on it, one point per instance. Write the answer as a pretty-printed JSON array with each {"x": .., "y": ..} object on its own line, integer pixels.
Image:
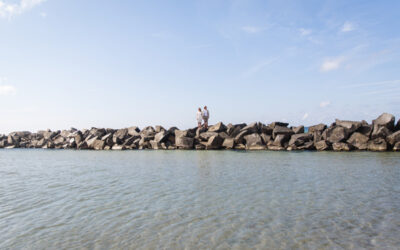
[{"x": 114, "y": 64}]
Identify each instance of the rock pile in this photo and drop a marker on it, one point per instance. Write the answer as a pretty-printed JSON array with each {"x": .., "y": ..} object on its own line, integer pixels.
[{"x": 382, "y": 135}]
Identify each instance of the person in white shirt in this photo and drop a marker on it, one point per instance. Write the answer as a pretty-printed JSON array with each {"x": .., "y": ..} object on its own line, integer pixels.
[
  {"x": 206, "y": 115},
  {"x": 199, "y": 118}
]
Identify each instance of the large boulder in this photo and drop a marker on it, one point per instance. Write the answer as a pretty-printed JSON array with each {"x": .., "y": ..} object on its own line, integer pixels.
[
  {"x": 219, "y": 127},
  {"x": 155, "y": 144},
  {"x": 393, "y": 138},
  {"x": 98, "y": 132},
  {"x": 351, "y": 126},
  {"x": 206, "y": 135},
  {"x": 161, "y": 136},
  {"x": 321, "y": 145},
  {"x": 365, "y": 129},
  {"x": 265, "y": 138},
  {"x": 251, "y": 128},
  {"x": 341, "y": 146},
  {"x": 300, "y": 139},
  {"x": 120, "y": 135},
  {"x": 378, "y": 144},
  {"x": 317, "y": 128},
  {"x": 396, "y": 146},
  {"x": 214, "y": 142},
  {"x": 397, "y": 127},
  {"x": 183, "y": 142},
  {"x": 254, "y": 142},
  {"x": 281, "y": 130},
  {"x": 133, "y": 131},
  {"x": 280, "y": 140},
  {"x": 384, "y": 120},
  {"x": 98, "y": 145},
  {"x": 359, "y": 141},
  {"x": 335, "y": 134},
  {"x": 380, "y": 132},
  {"x": 233, "y": 130},
  {"x": 229, "y": 143},
  {"x": 240, "y": 137},
  {"x": 298, "y": 130},
  {"x": 108, "y": 139},
  {"x": 281, "y": 124}
]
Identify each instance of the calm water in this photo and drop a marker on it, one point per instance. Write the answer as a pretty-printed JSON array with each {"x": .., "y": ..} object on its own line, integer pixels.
[{"x": 198, "y": 200}]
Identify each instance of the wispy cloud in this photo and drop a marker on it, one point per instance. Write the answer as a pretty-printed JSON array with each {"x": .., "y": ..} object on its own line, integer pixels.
[
  {"x": 305, "y": 32},
  {"x": 324, "y": 104},
  {"x": 251, "y": 29},
  {"x": 305, "y": 116},
  {"x": 258, "y": 67},
  {"x": 371, "y": 84},
  {"x": 348, "y": 26},
  {"x": 7, "y": 90},
  {"x": 331, "y": 64},
  {"x": 10, "y": 9}
]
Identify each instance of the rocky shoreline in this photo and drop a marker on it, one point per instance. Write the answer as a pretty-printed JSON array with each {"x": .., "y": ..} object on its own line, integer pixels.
[{"x": 382, "y": 135}]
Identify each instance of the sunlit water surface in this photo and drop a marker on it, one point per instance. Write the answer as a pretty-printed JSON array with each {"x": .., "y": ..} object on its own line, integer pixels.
[{"x": 198, "y": 200}]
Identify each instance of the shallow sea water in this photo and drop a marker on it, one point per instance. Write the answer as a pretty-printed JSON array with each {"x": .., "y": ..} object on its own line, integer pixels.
[{"x": 65, "y": 199}]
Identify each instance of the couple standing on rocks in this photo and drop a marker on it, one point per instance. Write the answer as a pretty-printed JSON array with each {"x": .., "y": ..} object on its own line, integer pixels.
[{"x": 203, "y": 116}]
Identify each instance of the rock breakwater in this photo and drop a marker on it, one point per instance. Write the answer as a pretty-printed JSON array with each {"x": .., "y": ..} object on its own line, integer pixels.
[{"x": 383, "y": 134}]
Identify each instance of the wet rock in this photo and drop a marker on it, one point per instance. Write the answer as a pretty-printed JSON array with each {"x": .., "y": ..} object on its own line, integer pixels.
[
  {"x": 341, "y": 146},
  {"x": 378, "y": 144},
  {"x": 219, "y": 127},
  {"x": 254, "y": 142},
  {"x": 240, "y": 146},
  {"x": 393, "y": 138},
  {"x": 298, "y": 130},
  {"x": 306, "y": 146},
  {"x": 214, "y": 142},
  {"x": 321, "y": 145},
  {"x": 200, "y": 147},
  {"x": 358, "y": 141}
]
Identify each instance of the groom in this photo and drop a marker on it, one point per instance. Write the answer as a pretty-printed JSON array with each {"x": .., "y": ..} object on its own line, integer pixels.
[{"x": 206, "y": 115}]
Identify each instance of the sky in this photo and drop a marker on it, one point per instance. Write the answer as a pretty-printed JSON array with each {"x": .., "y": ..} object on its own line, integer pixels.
[{"x": 114, "y": 64}]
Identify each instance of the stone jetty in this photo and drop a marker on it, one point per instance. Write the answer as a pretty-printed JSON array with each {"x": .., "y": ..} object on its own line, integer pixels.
[{"x": 383, "y": 134}]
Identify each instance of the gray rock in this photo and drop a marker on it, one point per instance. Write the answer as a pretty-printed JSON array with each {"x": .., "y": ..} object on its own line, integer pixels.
[
  {"x": 229, "y": 143},
  {"x": 98, "y": 145},
  {"x": 108, "y": 139},
  {"x": 280, "y": 140},
  {"x": 335, "y": 134},
  {"x": 200, "y": 147},
  {"x": 214, "y": 142},
  {"x": 161, "y": 136},
  {"x": 118, "y": 147},
  {"x": 58, "y": 140},
  {"x": 351, "y": 126},
  {"x": 378, "y": 144},
  {"x": 251, "y": 128},
  {"x": 90, "y": 142},
  {"x": 120, "y": 135},
  {"x": 254, "y": 142},
  {"x": 183, "y": 142},
  {"x": 317, "y": 128},
  {"x": 206, "y": 135},
  {"x": 393, "y": 138},
  {"x": 384, "y": 120},
  {"x": 380, "y": 132},
  {"x": 219, "y": 127},
  {"x": 133, "y": 131},
  {"x": 396, "y": 146},
  {"x": 155, "y": 144},
  {"x": 159, "y": 128},
  {"x": 341, "y": 146},
  {"x": 240, "y": 137},
  {"x": 82, "y": 145},
  {"x": 281, "y": 124},
  {"x": 240, "y": 146},
  {"x": 365, "y": 129},
  {"x": 321, "y": 145},
  {"x": 180, "y": 133},
  {"x": 280, "y": 130},
  {"x": 358, "y": 141},
  {"x": 265, "y": 138},
  {"x": 397, "y": 127},
  {"x": 306, "y": 146},
  {"x": 300, "y": 139},
  {"x": 298, "y": 130}
]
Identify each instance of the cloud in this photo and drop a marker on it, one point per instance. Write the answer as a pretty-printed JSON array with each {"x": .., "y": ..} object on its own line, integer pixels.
[
  {"x": 7, "y": 90},
  {"x": 331, "y": 64},
  {"x": 305, "y": 116},
  {"x": 9, "y": 10},
  {"x": 305, "y": 32},
  {"x": 348, "y": 26},
  {"x": 258, "y": 67},
  {"x": 251, "y": 29},
  {"x": 324, "y": 104}
]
